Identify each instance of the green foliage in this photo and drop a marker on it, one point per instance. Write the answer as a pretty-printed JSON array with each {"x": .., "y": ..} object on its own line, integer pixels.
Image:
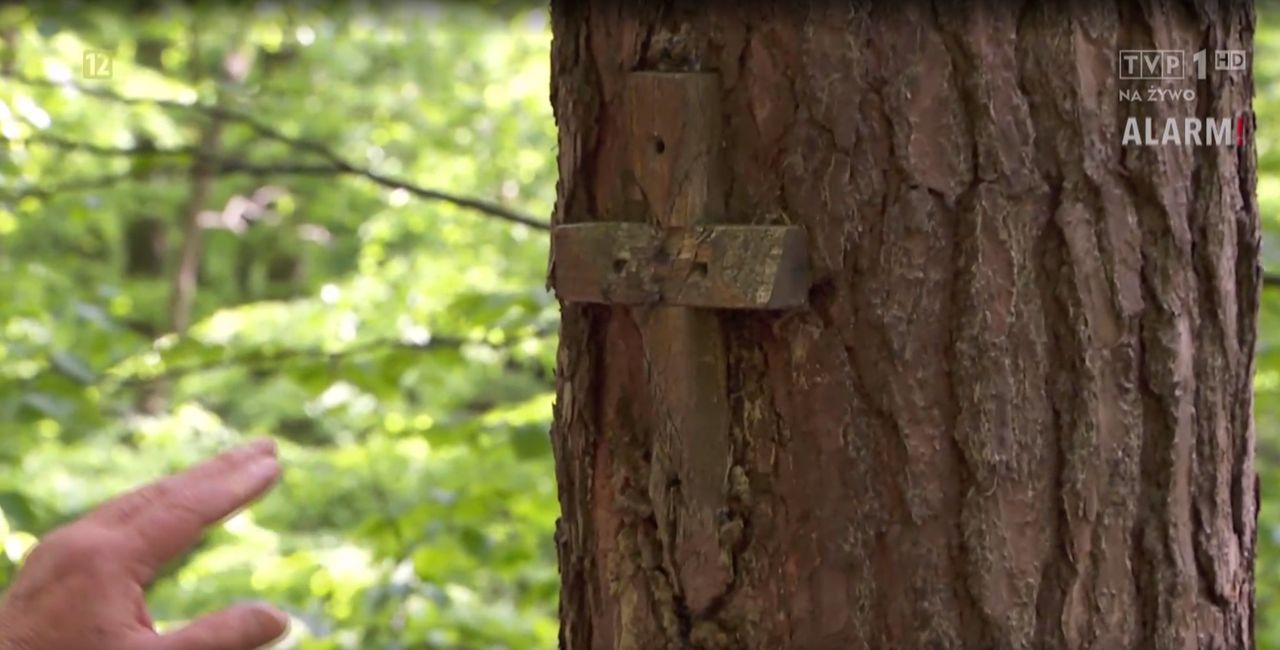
[
  {"x": 1266, "y": 65},
  {"x": 399, "y": 348}
]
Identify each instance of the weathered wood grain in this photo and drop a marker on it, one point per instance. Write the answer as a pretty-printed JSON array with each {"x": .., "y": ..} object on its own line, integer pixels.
[{"x": 719, "y": 267}]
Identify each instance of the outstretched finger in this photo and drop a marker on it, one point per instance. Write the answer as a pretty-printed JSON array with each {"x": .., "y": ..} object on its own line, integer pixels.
[
  {"x": 243, "y": 627},
  {"x": 170, "y": 515},
  {"x": 128, "y": 506}
]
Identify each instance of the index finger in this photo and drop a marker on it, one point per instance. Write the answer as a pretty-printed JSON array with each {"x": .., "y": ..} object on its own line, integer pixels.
[{"x": 170, "y": 515}]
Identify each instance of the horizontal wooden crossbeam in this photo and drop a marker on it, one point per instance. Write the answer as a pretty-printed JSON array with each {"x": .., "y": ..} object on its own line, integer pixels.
[{"x": 709, "y": 266}]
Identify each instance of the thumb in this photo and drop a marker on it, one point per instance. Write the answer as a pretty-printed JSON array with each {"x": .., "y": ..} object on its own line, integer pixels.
[{"x": 242, "y": 627}]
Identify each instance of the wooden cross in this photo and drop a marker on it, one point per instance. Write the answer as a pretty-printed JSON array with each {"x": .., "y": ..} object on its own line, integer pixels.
[
  {"x": 675, "y": 271},
  {"x": 687, "y": 255}
]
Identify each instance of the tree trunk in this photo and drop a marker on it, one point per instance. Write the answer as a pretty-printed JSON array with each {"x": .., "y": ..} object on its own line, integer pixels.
[{"x": 1017, "y": 411}]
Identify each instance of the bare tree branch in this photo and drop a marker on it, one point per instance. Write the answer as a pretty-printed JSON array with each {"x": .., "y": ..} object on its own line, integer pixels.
[
  {"x": 66, "y": 144},
  {"x": 338, "y": 166},
  {"x": 337, "y": 162},
  {"x": 84, "y": 184}
]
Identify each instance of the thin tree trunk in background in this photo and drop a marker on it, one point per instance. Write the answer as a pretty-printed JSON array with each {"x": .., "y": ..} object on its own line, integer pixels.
[
  {"x": 1017, "y": 413},
  {"x": 187, "y": 272},
  {"x": 153, "y": 397},
  {"x": 233, "y": 67}
]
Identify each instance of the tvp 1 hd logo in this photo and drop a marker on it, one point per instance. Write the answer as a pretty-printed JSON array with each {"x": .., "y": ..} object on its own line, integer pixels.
[{"x": 1170, "y": 76}]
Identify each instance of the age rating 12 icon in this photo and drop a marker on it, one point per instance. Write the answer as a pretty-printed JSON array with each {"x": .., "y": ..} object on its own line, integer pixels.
[{"x": 96, "y": 65}]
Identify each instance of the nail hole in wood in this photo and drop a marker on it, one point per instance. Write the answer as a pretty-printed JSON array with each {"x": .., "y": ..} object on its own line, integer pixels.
[
  {"x": 700, "y": 270},
  {"x": 659, "y": 145}
]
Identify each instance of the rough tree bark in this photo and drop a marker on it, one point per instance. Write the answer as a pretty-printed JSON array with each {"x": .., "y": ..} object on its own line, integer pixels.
[{"x": 1017, "y": 411}]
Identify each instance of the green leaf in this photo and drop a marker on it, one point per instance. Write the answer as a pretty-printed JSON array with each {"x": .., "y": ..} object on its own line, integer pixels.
[
  {"x": 531, "y": 441},
  {"x": 49, "y": 406},
  {"x": 18, "y": 510},
  {"x": 73, "y": 366}
]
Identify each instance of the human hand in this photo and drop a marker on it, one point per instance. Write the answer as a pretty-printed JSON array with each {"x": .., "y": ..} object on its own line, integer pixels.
[{"x": 81, "y": 588}]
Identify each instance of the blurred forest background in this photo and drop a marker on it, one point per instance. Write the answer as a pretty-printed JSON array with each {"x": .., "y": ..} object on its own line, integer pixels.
[
  {"x": 327, "y": 225},
  {"x": 240, "y": 233}
]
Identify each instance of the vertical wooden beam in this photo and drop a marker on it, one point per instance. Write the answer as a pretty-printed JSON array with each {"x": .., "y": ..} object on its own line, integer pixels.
[{"x": 675, "y": 140}]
